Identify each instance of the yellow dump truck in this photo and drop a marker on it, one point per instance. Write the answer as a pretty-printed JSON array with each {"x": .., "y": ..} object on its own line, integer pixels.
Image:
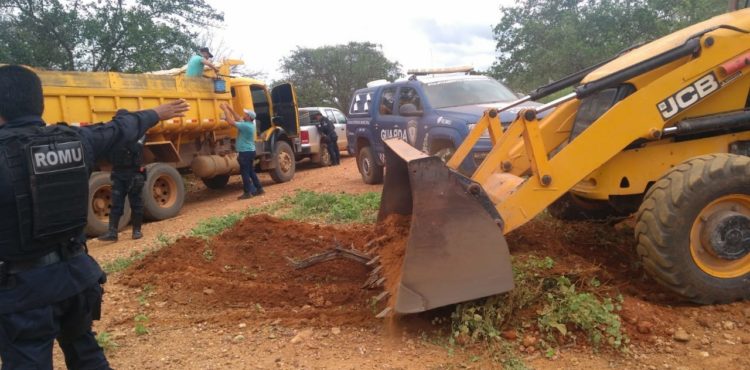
[{"x": 201, "y": 142}]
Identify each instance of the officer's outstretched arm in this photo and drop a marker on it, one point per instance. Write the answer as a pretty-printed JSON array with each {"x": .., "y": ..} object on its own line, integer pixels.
[{"x": 128, "y": 127}]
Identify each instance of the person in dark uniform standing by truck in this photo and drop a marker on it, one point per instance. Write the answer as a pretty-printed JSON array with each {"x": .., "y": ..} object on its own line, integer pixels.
[
  {"x": 50, "y": 288},
  {"x": 128, "y": 176},
  {"x": 328, "y": 132}
]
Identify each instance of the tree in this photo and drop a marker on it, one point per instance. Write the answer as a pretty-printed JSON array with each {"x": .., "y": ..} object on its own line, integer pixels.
[
  {"x": 102, "y": 35},
  {"x": 328, "y": 75},
  {"x": 539, "y": 41}
]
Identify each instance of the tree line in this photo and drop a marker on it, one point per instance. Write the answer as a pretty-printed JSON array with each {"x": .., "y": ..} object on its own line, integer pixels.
[{"x": 537, "y": 41}]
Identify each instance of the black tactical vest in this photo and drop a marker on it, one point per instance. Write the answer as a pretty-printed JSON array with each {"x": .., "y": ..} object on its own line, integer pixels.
[
  {"x": 46, "y": 171},
  {"x": 127, "y": 156}
]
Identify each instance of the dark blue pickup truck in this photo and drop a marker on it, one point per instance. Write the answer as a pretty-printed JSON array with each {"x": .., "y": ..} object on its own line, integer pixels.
[{"x": 434, "y": 114}]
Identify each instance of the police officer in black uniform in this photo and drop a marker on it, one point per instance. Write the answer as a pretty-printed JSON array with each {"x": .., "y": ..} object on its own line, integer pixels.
[
  {"x": 330, "y": 138},
  {"x": 50, "y": 288},
  {"x": 128, "y": 176}
]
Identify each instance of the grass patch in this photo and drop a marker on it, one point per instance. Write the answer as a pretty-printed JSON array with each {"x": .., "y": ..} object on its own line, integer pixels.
[
  {"x": 563, "y": 306},
  {"x": 141, "y": 321},
  {"x": 329, "y": 208},
  {"x": 304, "y": 205},
  {"x": 215, "y": 225},
  {"x": 121, "y": 263},
  {"x": 106, "y": 341}
]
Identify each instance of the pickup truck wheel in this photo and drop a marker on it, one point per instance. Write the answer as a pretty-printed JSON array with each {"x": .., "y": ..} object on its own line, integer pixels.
[
  {"x": 100, "y": 204},
  {"x": 372, "y": 172},
  {"x": 216, "y": 182},
  {"x": 163, "y": 193},
  {"x": 284, "y": 163},
  {"x": 693, "y": 229},
  {"x": 325, "y": 155}
]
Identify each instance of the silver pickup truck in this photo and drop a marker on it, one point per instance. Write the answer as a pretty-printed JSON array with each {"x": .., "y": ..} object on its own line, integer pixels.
[{"x": 310, "y": 137}]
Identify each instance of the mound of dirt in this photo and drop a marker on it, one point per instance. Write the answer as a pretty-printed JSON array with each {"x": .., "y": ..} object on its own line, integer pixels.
[
  {"x": 395, "y": 230},
  {"x": 247, "y": 268},
  {"x": 587, "y": 250}
]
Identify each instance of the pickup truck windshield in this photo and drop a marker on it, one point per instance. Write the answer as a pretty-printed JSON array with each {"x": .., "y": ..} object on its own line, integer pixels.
[{"x": 455, "y": 93}]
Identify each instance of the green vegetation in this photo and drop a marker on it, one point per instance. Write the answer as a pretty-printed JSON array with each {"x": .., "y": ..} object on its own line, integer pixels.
[
  {"x": 329, "y": 208},
  {"x": 304, "y": 205},
  {"x": 328, "y": 74},
  {"x": 140, "y": 324},
  {"x": 103, "y": 35},
  {"x": 582, "y": 310},
  {"x": 163, "y": 240},
  {"x": 215, "y": 225},
  {"x": 145, "y": 293},
  {"x": 105, "y": 341},
  {"x": 541, "y": 40},
  {"x": 562, "y": 304},
  {"x": 121, "y": 263}
]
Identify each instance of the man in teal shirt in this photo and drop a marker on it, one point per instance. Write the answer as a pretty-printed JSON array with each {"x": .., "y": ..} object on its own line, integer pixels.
[
  {"x": 245, "y": 146},
  {"x": 196, "y": 63}
]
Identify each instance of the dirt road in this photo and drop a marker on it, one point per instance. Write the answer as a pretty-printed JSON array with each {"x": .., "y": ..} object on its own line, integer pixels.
[{"x": 176, "y": 311}]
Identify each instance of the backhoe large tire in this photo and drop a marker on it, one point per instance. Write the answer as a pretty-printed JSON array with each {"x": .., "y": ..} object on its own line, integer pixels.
[
  {"x": 100, "y": 204},
  {"x": 163, "y": 193},
  {"x": 696, "y": 200},
  {"x": 371, "y": 171},
  {"x": 571, "y": 207},
  {"x": 284, "y": 163}
]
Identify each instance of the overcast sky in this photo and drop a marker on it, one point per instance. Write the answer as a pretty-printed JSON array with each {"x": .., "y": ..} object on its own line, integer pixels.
[{"x": 416, "y": 34}]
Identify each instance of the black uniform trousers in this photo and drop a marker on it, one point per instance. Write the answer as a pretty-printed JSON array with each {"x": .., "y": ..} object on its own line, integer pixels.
[
  {"x": 128, "y": 184},
  {"x": 333, "y": 149},
  {"x": 26, "y": 337}
]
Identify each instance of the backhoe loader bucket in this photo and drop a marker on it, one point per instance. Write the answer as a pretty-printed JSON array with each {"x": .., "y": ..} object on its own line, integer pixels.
[{"x": 456, "y": 250}]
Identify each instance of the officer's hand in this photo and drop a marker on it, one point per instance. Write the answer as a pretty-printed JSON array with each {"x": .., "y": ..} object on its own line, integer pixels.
[{"x": 172, "y": 109}]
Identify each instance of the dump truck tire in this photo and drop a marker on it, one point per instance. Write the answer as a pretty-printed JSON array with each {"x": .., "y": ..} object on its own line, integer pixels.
[
  {"x": 216, "y": 182},
  {"x": 701, "y": 197},
  {"x": 371, "y": 171},
  {"x": 163, "y": 193},
  {"x": 284, "y": 163},
  {"x": 100, "y": 203},
  {"x": 570, "y": 207}
]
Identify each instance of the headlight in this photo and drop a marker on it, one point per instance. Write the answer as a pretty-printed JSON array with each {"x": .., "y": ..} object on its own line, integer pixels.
[{"x": 485, "y": 134}]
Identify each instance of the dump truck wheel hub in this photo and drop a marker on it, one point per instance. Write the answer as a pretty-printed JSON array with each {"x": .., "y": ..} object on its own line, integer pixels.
[
  {"x": 728, "y": 235},
  {"x": 285, "y": 161},
  {"x": 720, "y": 237},
  {"x": 163, "y": 193},
  {"x": 100, "y": 204}
]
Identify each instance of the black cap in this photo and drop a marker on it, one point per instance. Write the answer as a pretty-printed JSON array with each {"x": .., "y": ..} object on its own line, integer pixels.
[{"x": 205, "y": 50}]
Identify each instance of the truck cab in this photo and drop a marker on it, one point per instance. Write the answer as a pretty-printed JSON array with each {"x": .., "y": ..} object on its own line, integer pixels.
[{"x": 430, "y": 110}]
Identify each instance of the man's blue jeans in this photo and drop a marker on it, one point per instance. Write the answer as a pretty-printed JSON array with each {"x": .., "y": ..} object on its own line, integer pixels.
[{"x": 247, "y": 169}]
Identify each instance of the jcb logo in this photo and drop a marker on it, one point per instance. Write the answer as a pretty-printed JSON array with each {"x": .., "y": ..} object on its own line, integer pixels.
[{"x": 688, "y": 96}]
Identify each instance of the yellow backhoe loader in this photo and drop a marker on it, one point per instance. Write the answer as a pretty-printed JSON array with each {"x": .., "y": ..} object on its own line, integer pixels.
[{"x": 661, "y": 130}]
